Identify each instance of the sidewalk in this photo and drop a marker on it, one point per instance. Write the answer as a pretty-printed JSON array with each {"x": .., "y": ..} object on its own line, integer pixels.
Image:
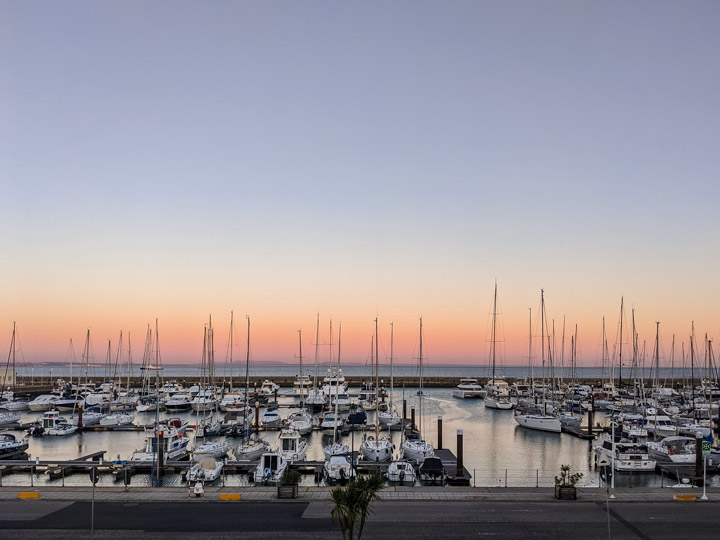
[{"x": 307, "y": 494}]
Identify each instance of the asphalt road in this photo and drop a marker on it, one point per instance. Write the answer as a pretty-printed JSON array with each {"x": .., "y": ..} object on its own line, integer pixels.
[{"x": 396, "y": 520}]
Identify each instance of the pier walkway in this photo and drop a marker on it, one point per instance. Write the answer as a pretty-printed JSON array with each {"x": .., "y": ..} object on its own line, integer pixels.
[{"x": 313, "y": 493}]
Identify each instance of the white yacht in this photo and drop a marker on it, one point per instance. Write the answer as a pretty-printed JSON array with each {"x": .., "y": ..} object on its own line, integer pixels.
[
  {"x": 270, "y": 469},
  {"x": 660, "y": 425},
  {"x": 11, "y": 447},
  {"x": 178, "y": 403},
  {"x": 268, "y": 388},
  {"x": 628, "y": 456},
  {"x": 207, "y": 470},
  {"x": 389, "y": 418},
  {"x": 271, "y": 419},
  {"x": 43, "y": 402},
  {"x": 498, "y": 401},
  {"x": 673, "y": 450},
  {"x": 334, "y": 383},
  {"x": 54, "y": 424},
  {"x": 338, "y": 469},
  {"x": 173, "y": 442},
  {"x": 331, "y": 422},
  {"x": 343, "y": 402},
  {"x": 293, "y": 447},
  {"x": 535, "y": 418},
  {"x": 401, "y": 472},
  {"x": 335, "y": 449},
  {"x": 301, "y": 422},
  {"x": 469, "y": 388},
  {"x": 7, "y": 418}
]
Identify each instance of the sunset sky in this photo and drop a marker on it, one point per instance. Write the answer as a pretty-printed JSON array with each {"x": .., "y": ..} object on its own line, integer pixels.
[{"x": 174, "y": 160}]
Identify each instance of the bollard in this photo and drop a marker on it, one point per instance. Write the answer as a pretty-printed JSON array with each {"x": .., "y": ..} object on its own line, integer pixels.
[
  {"x": 80, "y": 413},
  {"x": 257, "y": 415},
  {"x": 460, "y": 452},
  {"x": 439, "y": 432}
]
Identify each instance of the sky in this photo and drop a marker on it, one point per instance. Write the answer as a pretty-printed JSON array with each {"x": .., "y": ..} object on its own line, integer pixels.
[{"x": 176, "y": 160}]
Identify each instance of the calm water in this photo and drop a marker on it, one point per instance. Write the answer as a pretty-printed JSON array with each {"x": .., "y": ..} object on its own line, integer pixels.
[
  {"x": 497, "y": 452},
  {"x": 177, "y": 371}
]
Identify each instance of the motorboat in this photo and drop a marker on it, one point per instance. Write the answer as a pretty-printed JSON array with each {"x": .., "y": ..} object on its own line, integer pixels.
[
  {"x": 233, "y": 401},
  {"x": 43, "y": 402},
  {"x": 207, "y": 470},
  {"x": 402, "y": 472},
  {"x": 357, "y": 416},
  {"x": 11, "y": 446},
  {"x": 343, "y": 402},
  {"x": 178, "y": 403},
  {"x": 301, "y": 422},
  {"x": 432, "y": 472},
  {"x": 660, "y": 425},
  {"x": 203, "y": 401},
  {"x": 379, "y": 449},
  {"x": 331, "y": 422},
  {"x": 90, "y": 417},
  {"x": 270, "y": 469},
  {"x": 8, "y": 418},
  {"x": 54, "y": 424},
  {"x": 338, "y": 469},
  {"x": 145, "y": 403},
  {"x": 271, "y": 419},
  {"x": 268, "y": 388},
  {"x": 302, "y": 385},
  {"x": 334, "y": 383},
  {"x": 172, "y": 438},
  {"x": 293, "y": 447},
  {"x": 627, "y": 456},
  {"x": 469, "y": 388},
  {"x": 315, "y": 400},
  {"x": 673, "y": 450}
]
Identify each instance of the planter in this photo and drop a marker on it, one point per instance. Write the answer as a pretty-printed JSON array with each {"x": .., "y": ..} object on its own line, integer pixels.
[
  {"x": 566, "y": 493},
  {"x": 287, "y": 492}
]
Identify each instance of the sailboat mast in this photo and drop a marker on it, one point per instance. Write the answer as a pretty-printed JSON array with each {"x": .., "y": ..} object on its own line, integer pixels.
[
  {"x": 492, "y": 342},
  {"x": 231, "y": 350},
  {"x": 337, "y": 380},
  {"x": 542, "y": 342},
  {"x": 377, "y": 381},
  {"x": 530, "y": 370},
  {"x": 247, "y": 380},
  {"x": 621, "y": 343},
  {"x": 302, "y": 383},
  {"x": 392, "y": 381},
  {"x": 421, "y": 380}
]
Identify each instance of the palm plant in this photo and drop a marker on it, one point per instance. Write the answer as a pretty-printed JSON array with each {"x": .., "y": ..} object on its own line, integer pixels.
[{"x": 352, "y": 504}]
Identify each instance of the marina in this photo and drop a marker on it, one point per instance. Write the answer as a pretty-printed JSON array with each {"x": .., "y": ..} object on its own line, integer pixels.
[{"x": 494, "y": 452}]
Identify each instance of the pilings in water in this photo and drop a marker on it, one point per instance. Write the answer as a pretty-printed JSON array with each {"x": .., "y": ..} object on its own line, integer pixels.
[{"x": 440, "y": 441}]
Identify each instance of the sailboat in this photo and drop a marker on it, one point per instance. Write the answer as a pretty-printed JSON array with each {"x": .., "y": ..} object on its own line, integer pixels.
[
  {"x": 537, "y": 417},
  {"x": 333, "y": 420},
  {"x": 414, "y": 448},
  {"x": 376, "y": 448},
  {"x": 498, "y": 390},
  {"x": 251, "y": 447},
  {"x": 12, "y": 404},
  {"x": 301, "y": 421},
  {"x": 316, "y": 397},
  {"x": 390, "y": 417}
]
